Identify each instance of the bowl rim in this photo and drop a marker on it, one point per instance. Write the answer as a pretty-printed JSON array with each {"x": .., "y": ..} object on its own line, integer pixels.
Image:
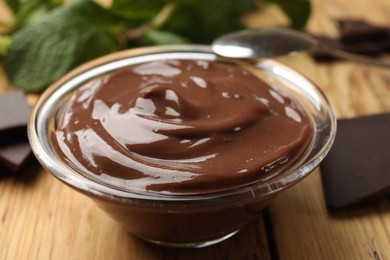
[{"x": 38, "y": 126}]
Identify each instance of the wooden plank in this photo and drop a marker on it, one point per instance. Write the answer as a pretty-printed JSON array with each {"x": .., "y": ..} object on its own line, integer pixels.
[
  {"x": 378, "y": 80},
  {"x": 41, "y": 218}
]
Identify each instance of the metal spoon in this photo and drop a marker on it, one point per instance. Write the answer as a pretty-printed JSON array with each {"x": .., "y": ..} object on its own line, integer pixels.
[{"x": 272, "y": 42}]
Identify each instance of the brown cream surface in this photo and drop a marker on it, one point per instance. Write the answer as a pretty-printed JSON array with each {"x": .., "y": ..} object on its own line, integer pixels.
[{"x": 180, "y": 126}]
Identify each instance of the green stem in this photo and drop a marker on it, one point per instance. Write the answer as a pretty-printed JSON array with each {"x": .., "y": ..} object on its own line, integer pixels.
[
  {"x": 158, "y": 21},
  {"x": 6, "y": 24},
  {"x": 53, "y": 3},
  {"x": 163, "y": 16},
  {"x": 5, "y": 42}
]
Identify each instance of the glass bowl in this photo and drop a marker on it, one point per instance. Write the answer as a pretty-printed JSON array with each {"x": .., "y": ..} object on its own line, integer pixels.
[{"x": 191, "y": 220}]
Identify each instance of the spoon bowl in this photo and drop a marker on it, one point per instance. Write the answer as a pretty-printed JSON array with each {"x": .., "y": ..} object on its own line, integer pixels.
[{"x": 271, "y": 42}]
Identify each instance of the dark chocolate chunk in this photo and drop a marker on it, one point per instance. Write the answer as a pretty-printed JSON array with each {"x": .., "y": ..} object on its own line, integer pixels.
[
  {"x": 386, "y": 44},
  {"x": 14, "y": 115},
  {"x": 356, "y": 36},
  {"x": 357, "y": 169},
  {"x": 362, "y": 48},
  {"x": 353, "y": 31},
  {"x": 367, "y": 48},
  {"x": 14, "y": 155}
]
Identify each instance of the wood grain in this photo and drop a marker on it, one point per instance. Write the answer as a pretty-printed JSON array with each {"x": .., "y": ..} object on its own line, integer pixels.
[
  {"x": 41, "y": 218},
  {"x": 303, "y": 227}
]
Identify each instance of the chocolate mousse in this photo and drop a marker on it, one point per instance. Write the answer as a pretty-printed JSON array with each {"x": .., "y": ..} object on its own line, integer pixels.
[{"x": 180, "y": 127}]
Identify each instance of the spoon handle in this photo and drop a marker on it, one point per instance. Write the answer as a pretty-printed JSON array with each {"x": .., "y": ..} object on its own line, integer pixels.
[{"x": 354, "y": 57}]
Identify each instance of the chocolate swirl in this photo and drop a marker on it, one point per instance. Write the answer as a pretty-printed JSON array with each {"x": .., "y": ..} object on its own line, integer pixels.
[{"x": 180, "y": 126}]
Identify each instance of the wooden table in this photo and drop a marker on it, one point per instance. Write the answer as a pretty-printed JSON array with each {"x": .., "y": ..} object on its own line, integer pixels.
[{"x": 40, "y": 218}]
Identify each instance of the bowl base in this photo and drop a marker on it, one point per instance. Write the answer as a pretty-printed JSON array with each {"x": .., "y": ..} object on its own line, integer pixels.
[{"x": 191, "y": 244}]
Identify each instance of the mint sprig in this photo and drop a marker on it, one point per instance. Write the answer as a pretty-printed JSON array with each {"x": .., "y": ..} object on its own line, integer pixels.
[
  {"x": 47, "y": 38},
  {"x": 298, "y": 11},
  {"x": 68, "y": 36}
]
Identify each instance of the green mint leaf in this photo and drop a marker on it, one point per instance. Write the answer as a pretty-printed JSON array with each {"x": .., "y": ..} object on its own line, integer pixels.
[
  {"x": 157, "y": 37},
  {"x": 55, "y": 3},
  {"x": 68, "y": 36},
  {"x": 14, "y": 5},
  {"x": 202, "y": 21},
  {"x": 137, "y": 11},
  {"x": 27, "y": 11},
  {"x": 298, "y": 11}
]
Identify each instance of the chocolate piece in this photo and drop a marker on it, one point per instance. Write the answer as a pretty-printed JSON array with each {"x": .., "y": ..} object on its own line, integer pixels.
[
  {"x": 386, "y": 44},
  {"x": 14, "y": 155},
  {"x": 358, "y": 37},
  {"x": 357, "y": 168},
  {"x": 365, "y": 48},
  {"x": 362, "y": 48},
  {"x": 353, "y": 31},
  {"x": 14, "y": 114}
]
